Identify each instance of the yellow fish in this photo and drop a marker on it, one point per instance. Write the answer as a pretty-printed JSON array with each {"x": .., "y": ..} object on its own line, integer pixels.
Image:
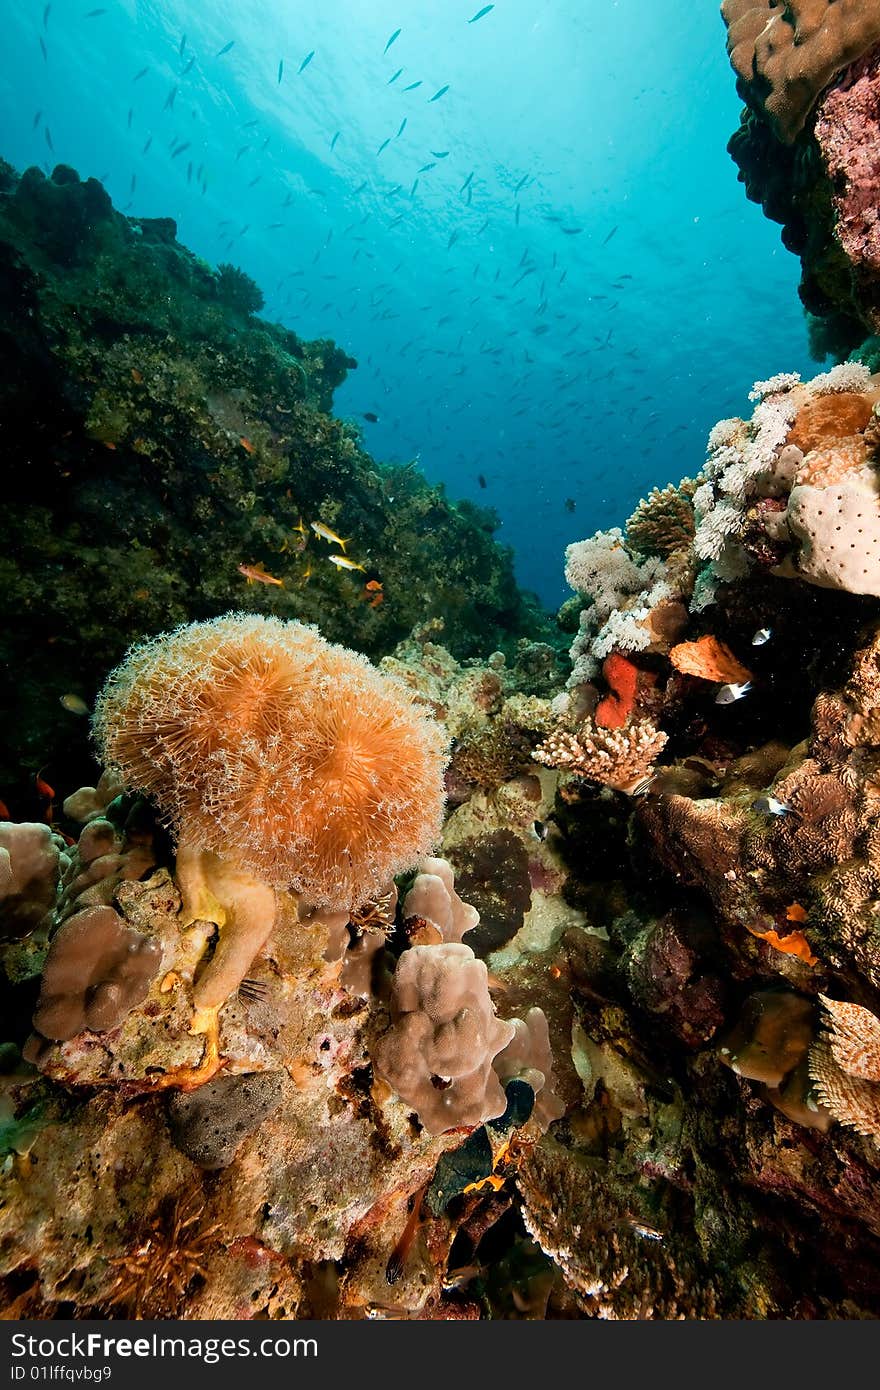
[
  {"x": 327, "y": 535},
  {"x": 75, "y": 704},
  {"x": 344, "y": 563}
]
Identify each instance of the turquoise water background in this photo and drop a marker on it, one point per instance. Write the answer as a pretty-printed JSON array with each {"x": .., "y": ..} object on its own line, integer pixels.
[{"x": 550, "y": 317}]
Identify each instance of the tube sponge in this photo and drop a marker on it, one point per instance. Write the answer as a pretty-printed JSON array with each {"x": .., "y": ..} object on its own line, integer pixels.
[{"x": 292, "y": 758}]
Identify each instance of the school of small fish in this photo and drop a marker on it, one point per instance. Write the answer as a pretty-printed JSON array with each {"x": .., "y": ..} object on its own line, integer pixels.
[{"x": 541, "y": 366}]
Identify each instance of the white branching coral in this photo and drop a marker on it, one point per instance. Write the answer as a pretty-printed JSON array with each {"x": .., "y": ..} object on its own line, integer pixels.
[
  {"x": 846, "y": 376},
  {"x": 618, "y": 758},
  {"x": 626, "y": 629},
  {"x": 741, "y": 456},
  {"x": 604, "y": 570},
  {"x": 774, "y": 385}
]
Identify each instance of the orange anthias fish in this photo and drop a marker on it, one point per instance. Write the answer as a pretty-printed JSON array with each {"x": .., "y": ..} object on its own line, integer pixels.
[
  {"x": 373, "y": 591},
  {"x": 246, "y": 445},
  {"x": 257, "y": 574},
  {"x": 47, "y": 792}
]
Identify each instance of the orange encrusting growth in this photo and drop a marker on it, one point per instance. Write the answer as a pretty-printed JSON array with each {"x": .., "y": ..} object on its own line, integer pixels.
[
  {"x": 294, "y": 759},
  {"x": 622, "y": 676},
  {"x": 794, "y": 944},
  {"x": 709, "y": 659}
]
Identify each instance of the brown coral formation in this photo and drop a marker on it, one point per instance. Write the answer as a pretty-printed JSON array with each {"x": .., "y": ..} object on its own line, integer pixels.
[
  {"x": 529, "y": 1057},
  {"x": 96, "y": 971},
  {"x": 438, "y": 1054},
  {"x": 663, "y": 522},
  {"x": 784, "y": 56},
  {"x": 31, "y": 860},
  {"x": 844, "y": 1063},
  {"x": 433, "y": 898}
]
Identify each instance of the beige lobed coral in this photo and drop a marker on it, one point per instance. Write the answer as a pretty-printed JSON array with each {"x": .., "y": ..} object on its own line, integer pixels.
[
  {"x": 785, "y": 55},
  {"x": 96, "y": 971},
  {"x": 438, "y": 1053},
  {"x": 31, "y": 861},
  {"x": 528, "y": 1057},
  {"x": 433, "y": 898}
]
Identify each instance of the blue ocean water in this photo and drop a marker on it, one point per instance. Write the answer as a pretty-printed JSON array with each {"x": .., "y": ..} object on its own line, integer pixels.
[{"x": 522, "y": 223}]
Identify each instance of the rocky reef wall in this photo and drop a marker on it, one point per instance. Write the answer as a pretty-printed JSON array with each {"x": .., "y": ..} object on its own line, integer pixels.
[{"x": 157, "y": 435}]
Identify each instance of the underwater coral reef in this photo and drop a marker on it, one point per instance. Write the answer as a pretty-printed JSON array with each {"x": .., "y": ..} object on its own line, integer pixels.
[{"x": 467, "y": 982}]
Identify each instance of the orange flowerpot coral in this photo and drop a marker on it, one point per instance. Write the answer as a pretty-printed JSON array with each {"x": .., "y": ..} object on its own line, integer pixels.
[{"x": 279, "y": 761}]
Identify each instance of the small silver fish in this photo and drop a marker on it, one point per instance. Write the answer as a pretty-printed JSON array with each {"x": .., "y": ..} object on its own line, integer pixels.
[
  {"x": 770, "y": 806},
  {"x": 74, "y": 704},
  {"x": 761, "y": 636},
  {"x": 729, "y": 693},
  {"x": 645, "y": 1231}
]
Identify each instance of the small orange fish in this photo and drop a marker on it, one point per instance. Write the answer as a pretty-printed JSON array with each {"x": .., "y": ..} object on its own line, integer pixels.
[
  {"x": 397, "y": 1260},
  {"x": 136, "y": 375},
  {"x": 257, "y": 574},
  {"x": 376, "y": 600},
  {"x": 494, "y": 1183},
  {"x": 246, "y": 445},
  {"x": 4, "y": 811},
  {"x": 141, "y": 595},
  {"x": 43, "y": 788},
  {"x": 373, "y": 585},
  {"x": 108, "y": 444}
]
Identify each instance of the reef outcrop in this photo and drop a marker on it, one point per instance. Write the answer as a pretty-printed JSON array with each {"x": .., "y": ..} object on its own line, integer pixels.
[
  {"x": 165, "y": 453},
  {"x": 807, "y": 151}
]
